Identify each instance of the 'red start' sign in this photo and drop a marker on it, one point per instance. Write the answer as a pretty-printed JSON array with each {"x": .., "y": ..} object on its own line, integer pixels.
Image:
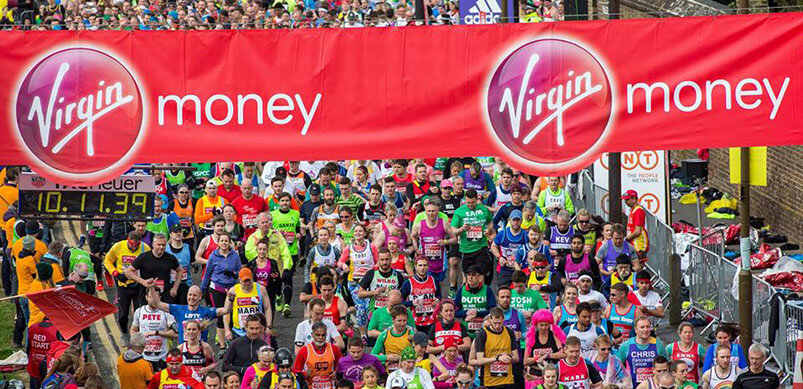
[{"x": 81, "y": 108}]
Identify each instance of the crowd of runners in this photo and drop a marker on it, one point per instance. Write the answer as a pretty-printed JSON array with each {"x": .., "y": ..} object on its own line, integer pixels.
[{"x": 417, "y": 274}]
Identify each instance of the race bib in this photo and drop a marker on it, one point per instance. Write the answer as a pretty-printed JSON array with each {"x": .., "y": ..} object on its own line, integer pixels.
[
  {"x": 475, "y": 325},
  {"x": 160, "y": 284},
  {"x": 154, "y": 344},
  {"x": 427, "y": 308},
  {"x": 289, "y": 236},
  {"x": 186, "y": 223},
  {"x": 249, "y": 221},
  {"x": 127, "y": 261},
  {"x": 643, "y": 374},
  {"x": 432, "y": 250},
  {"x": 499, "y": 369},
  {"x": 319, "y": 382},
  {"x": 474, "y": 232}
]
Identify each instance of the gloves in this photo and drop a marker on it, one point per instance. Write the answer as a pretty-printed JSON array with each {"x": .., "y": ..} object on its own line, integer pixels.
[
  {"x": 229, "y": 273},
  {"x": 121, "y": 278}
]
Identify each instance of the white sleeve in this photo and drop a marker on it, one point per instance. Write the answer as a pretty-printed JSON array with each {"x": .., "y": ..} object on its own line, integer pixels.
[
  {"x": 426, "y": 379},
  {"x": 299, "y": 340},
  {"x": 137, "y": 312},
  {"x": 171, "y": 321}
]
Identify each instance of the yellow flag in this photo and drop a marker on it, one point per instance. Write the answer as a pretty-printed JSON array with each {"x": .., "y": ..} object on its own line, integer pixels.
[{"x": 758, "y": 166}]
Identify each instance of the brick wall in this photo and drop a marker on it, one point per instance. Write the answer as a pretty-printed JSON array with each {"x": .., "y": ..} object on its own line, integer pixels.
[{"x": 780, "y": 203}]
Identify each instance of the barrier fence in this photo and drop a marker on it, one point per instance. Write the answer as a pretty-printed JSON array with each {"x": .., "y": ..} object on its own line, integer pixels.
[{"x": 709, "y": 279}]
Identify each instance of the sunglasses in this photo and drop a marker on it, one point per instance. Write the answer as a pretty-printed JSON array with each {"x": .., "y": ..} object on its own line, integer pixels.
[
  {"x": 668, "y": 387},
  {"x": 540, "y": 267},
  {"x": 183, "y": 192},
  {"x": 582, "y": 221},
  {"x": 464, "y": 383},
  {"x": 604, "y": 349}
]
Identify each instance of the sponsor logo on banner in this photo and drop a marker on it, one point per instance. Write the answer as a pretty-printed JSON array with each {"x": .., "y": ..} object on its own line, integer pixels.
[
  {"x": 550, "y": 94},
  {"x": 480, "y": 12},
  {"x": 79, "y": 112},
  {"x": 643, "y": 171}
]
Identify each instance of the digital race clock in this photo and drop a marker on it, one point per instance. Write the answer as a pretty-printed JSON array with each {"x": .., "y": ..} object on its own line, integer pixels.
[{"x": 127, "y": 197}]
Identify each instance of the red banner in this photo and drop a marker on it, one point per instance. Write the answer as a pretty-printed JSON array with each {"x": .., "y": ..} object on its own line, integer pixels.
[
  {"x": 70, "y": 310},
  {"x": 546, "y": 97}
]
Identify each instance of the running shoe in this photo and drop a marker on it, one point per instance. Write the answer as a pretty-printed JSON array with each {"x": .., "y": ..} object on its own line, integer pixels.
[{"x": 286, "y": 311}]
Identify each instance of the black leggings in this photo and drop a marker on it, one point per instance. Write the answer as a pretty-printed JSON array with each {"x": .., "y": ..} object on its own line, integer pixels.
[
  {"x": 218, "y": 301},
  {"x": 287, "y": 281},
  {"x": 127, "y": 296}
]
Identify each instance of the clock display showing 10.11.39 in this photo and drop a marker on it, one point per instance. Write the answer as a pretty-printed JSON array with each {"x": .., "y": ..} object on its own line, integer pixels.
[{"x": 55, "y": 203}]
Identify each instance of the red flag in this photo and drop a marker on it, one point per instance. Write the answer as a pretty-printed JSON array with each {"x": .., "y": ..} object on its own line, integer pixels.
[{"x": 70, "y": 310}]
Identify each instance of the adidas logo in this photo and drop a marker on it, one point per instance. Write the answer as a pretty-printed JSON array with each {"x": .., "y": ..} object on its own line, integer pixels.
[{"x": 483, "y": 12}]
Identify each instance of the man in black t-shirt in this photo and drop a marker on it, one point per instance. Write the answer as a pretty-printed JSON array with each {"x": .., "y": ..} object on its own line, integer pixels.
[
  {"x": 756, "y": 376},
  {"x": 154, "y": 268}
]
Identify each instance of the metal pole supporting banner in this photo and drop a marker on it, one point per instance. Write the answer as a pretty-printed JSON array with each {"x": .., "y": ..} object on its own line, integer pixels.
[
  {"x": 613, "y": 9},
  {"x": 615, "y": 187},
  {"x": 675, "y": 299},
  {"x": 745, "y": 276}
]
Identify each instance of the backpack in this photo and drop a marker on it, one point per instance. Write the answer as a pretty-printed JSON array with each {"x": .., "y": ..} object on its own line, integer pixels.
[{"x": 58, "y": 381}]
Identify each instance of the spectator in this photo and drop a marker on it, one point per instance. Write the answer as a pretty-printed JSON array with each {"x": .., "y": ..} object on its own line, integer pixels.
[{"x": 133, "y": 371}]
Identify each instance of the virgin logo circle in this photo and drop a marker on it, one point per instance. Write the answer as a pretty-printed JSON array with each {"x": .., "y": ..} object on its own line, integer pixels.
[
  {"x": 550, "y": 103},
  {"x": 79, "y": 111}
]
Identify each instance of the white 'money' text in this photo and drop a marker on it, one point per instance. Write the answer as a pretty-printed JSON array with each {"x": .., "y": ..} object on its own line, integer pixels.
[
  {"x": 688, "y": 96},
  {"x": 280, "y": 109}
]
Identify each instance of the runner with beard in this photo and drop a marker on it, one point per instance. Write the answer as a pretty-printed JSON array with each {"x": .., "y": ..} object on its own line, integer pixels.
[
  {"x": 377, "y": 283},
  {"x": 472, "y": 223},
  {"x": 207, "y": 207},
  {"x": 287, "y": 222},
  {"x": 589, "y": 232},
  {"x": 248, "y": 206},
  {"x": 475, "y": 300},
  {"x": 559, "y": 236},
  {"x": 328, "y": 211},
  {"x": 571, "y": 266},
  {"x": 318, "y": 360},
  {"x": 432, "y": 236},
  {"x": 449, "y": 201}
]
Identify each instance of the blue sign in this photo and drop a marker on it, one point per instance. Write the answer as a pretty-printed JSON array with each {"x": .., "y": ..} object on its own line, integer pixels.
[{"x": 482, "y": 11}]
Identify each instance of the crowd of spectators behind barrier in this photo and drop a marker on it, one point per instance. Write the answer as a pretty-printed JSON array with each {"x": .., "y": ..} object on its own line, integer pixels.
[{"x": 238, "y": 14}]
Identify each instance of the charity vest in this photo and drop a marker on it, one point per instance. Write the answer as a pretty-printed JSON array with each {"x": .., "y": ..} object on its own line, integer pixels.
[
  {"x": 509, "y": 245},
  {"x": 502, "y": 197},
  {"x": 320, "y": 367},
  {"x": 333, "y": 312},
  {"x": 575, "y": 377},
  {"x": 346, "y": 234},
  {"x": 379, "y": 281},
  {"x": 640, "y": 362},
  {"x": 184, "y": 258},
  {"x": 642, "y": 242},
  {"x": 287, "y": 224},
  {"x": 161, "y": 187},
  {"x": 424, "y": 313},
  {"x": 497, "y": 373},
  {"x": 415, "y": 383},
  {"x": 81, "y": 256},
  {"x": 624, "y": 321},
  {"x": 324, "y": 216},
  {"x": 194, "y": 360},
  {"x": 159, "y": 227},
  {"x": 552, "y": 199},
  {"x": 609, "y": 260},
  {"x": 560, "y": 241},
  {"x": 573, "y": 269},
  {"x": 360, "y": 262},
  {"x": 566, "y": 318},
  {"x": 94, "y": 228},
  {"x": 726, "y": 382},
  {"x": 259, "y": 373},
  {"x": 177, "y": 178},
  {"x": 245, "y": 304},
  {"x": 691, "y": 357},
  {"x": 443, "y": 333},
  {"x": 165, "y": 382},
  {"x": 428, "y": 244},
  {"x": 320, "y": 259},
  {"x": 478, "y": 301},
  {"x": 185, "y": 214},
  {"x": 209, "y": 207},
  {"x": 394, "y": 344}
]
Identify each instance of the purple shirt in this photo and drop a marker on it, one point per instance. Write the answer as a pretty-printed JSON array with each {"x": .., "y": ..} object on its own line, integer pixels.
[
  {"x": 352, "y": 370},
  {"x": 451, "y": 367}
]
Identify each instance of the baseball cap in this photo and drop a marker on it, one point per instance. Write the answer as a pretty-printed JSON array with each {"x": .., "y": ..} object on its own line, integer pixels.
[
  {"x": 314, "y": 189},
  {"x": 629, "y": 193},
  {"x": 515, "y": 189},
  {"x": 595, "y": 305},
  {"x": 516, "y": 214},
  {"x": 475, "y": 268},
  {"x": 447, "y": 183},
  {"x": 176, "y": 228},
  {"x": 245, "y": 274},
  {"x": 397, "y": 382},
  {"x": 420, "y": 339}
]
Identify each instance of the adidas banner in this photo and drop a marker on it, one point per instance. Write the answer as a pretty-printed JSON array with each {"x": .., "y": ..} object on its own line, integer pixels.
[{"x": 82, "y": 107}]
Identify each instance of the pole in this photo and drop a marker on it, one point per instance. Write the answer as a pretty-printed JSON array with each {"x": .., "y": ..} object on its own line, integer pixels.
[
  {"x": 744, "y": 6},
  {"x": 613, "y": 9},
  {"x": 745, "y": 276},
  {"x": 615, "y": 187},
  {"x": 505, "y": 11},
  {"x": 675, "y": 299},
  {"x": 419, "y": 12}
]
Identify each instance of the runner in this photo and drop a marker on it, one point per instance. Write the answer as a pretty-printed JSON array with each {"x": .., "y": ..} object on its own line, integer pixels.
[
  {"x": 504, "y": 191},
  {"x": 609, "y": 366},
  {"x": 421, "y": 293},
  {"x": 249, "y": 298},
  {"x": 392, "y": 341},
  {"x": 660, "y": 366},
  {"x": 357, "y": 259},
  {"x": 475, "y": 300},
  {"x": 350, "y": 367},
  {"x": 514, "y": 321},
  {"x": 586, "y": 332},
  {"x": 621, "y": 312},
  {"x": 321, "y": 254},
  {"x": 336, "y": 309},
  {"x": 524, "y": 299},
  {"x": 327, "y": 211},
  {"x": 348, "y": 199},
  {"x": 248, "y": 206},
  {"x": 576, "y": 372},
  {"x": 219, "y": 276},
  {"x": 502, "y": 215},
  {"x": 377, "y": 283},
  {"x": 409, "y": 376},
  {"x": 559, "y": 236},
  {"x": 472, "y": 223},
  {"x": 157, "y": 326},
  {"x": 687, "y": 350},
  {"x": 496, "y": 352},
  {"x": 118, "y": 259},
  {"x": 316, "y": 309},
  {"x": 175, "y": 374},
  {"x": 554, "y": 199},
  {"x": 566, "y": 313},
  {"x": 371, "y": 213},
  {"x": 638, "y": 353},
  {"x": 651, "y": 304},
  {"x": 182, "y": 207},
  {"x": 154, "y": 267},
  {"x": 318, "y": 360},
  {"x": 266, "y": 273},
  {"x": 505, "y": 246},
  {"x": 723, "y": 373},
  {"x": 431, "y": 237},
  {"x": 183, "y": 254},
  {"x": 194, "y": 311},
  {"x": 209, "y": 243},
  {"x": 382, "y": 319},
  {"x": 196, "y": 354},
  {"x": 588, "y": 230},
  {"x": 678, "y": 369},
  {"x": 542, "y": 279},
  {"x": 264, "y": 365},
  {"x": 610, "y": 250},
  {"x": 208, "y": 207},
  {"x": 287, "y": 221},
  {"x": 586, "y": 294},
  {"x": 283, "y": 362}
]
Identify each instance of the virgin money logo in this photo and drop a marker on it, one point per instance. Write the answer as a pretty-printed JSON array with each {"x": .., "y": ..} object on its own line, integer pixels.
[
  {"x": 550, "y": 103},
  {"x": 79, "y": 111}
]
